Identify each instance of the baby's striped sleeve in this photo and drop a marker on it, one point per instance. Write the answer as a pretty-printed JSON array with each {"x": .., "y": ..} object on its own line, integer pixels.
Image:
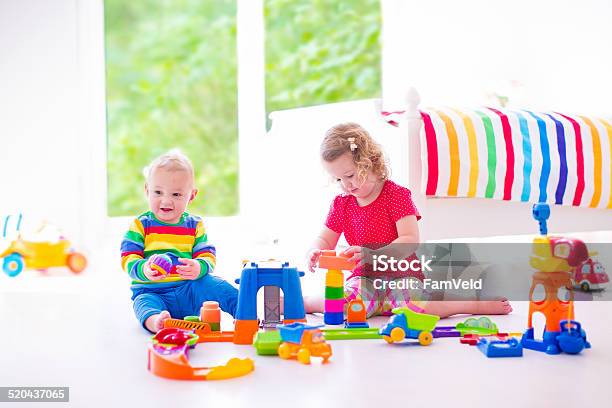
[
  {"x": 203, "y": 251},
  {"x": 132, "y": 251}
]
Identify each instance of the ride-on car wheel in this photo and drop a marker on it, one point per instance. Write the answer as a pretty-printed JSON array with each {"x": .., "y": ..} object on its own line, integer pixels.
[
  {"x": 13, "y": 265},
  {"x": 585, "y": 286},
  {"x": 76, "y": 262}
]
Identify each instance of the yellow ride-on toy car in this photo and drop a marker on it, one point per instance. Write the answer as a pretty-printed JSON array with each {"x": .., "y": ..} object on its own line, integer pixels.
[{"x": 40, "y": 255}]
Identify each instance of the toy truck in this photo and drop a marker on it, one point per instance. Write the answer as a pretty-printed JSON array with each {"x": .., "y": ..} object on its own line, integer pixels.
[
  {"x": 408, "y": 324},
  {"x": 301, "y": 341}
]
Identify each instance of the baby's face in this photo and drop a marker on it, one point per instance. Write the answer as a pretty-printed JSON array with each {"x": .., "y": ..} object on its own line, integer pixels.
[
  {"x": 344, "y": 170},
  {"x": 169, "y": 192}
]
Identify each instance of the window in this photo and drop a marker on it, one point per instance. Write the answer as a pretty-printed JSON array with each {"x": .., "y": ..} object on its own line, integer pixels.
[
  {"x": 321, "y": 51},
  {"x": 171, "y": 82}
]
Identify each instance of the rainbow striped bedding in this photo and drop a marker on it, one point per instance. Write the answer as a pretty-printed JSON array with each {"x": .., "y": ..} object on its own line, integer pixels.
[{"x": 517, "y": 155}]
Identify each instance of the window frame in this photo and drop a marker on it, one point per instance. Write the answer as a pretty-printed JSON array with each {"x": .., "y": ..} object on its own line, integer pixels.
[{"x": 251, "y": 105}]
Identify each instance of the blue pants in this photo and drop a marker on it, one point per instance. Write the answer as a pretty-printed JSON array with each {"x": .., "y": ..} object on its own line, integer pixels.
[{"x": 183, "y": 298}]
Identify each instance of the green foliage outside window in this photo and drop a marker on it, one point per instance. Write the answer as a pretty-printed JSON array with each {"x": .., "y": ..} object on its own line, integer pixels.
[
  {"x": 171, "y": 82},
  {"x": 321, "y": 51}
]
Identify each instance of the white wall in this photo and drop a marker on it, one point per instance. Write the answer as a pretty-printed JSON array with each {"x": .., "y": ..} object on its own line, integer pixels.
[
  {"x": 52, "y": 105},
  {"x": 545, "y": 54},
  {"x": 39, "y": 153}
]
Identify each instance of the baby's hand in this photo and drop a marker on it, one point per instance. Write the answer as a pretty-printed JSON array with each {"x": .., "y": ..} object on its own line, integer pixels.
[
  {"x": 313, "y": 258},
  {"x": 355, "y": 254},
  {"x": 151, "y": 274},
  {"x": 189, "y": 268}
]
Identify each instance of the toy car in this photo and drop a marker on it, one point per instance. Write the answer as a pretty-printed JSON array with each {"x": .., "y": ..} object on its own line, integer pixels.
[
  {"x": 40, "y": 255},
  {"x": 301, "y": 341},
  {"x": 590, "y": 275},
  {"x": 408, "y": 324}
]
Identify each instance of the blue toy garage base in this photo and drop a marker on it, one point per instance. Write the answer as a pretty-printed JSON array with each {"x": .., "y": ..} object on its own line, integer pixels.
[
  {"x": 253, "y": 278},
  {"x": 500, "y": 348},
  {"x": 571, "y": 339}
]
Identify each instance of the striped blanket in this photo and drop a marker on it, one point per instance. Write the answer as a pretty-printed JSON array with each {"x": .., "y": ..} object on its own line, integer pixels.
[{"x": 517, "y": 155}]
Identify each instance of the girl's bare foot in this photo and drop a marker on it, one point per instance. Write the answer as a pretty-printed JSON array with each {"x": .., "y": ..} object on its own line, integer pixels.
[
  {"x": 156, "y": 322},
  {"x": 314, "y": 304},
  {"x": 450, "y": 308},
  {"x": 493, "y": 307}
]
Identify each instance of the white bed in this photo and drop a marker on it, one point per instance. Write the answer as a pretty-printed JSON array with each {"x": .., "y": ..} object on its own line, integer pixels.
[
  {"x": 479, "y": 217},
  {"x": 291, "y": 160}
]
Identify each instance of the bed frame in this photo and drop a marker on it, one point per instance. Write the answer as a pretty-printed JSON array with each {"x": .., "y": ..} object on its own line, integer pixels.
[
  {"x": 301, "y": 129},
  {"x": 477, "y": 217}
]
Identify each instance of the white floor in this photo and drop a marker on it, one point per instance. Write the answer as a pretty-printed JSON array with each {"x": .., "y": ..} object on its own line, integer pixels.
[
  {"x": 87, "y": 338},
  {"x": 79, "y": 331}
]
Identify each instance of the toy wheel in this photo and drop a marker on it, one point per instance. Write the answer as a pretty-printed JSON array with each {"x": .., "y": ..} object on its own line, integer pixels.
[
  {"x": 425, "y": 338},
  {"x": 584, "y": 286},
  {"x": 284, "y": 351},
  {"x": 303, "y": 356},
  {"x": 76, "y": 262},
  {"x": 13, "y": 265},
  {"x": 388, "y": 339},
  {"x": 398, "y": 334}
]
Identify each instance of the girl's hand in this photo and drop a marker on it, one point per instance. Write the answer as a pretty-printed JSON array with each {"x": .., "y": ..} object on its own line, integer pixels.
[
  {"x": 189, "y": 268},
  {"x": 313, "y": 258},
  {"x": 355, "y": 254},
  {"x": 151, "y": 274}
]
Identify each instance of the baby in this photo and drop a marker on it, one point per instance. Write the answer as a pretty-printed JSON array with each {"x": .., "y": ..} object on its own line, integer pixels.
[{"x": 190, "y": 259}]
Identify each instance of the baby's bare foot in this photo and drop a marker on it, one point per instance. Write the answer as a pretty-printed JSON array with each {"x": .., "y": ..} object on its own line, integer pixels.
[
  {"x": 493, "y": 307},
  {"x": 156, "y": 322}
]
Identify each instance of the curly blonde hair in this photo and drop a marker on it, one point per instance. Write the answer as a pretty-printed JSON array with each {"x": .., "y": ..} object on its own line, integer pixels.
[{"x": 367, "y": 154}]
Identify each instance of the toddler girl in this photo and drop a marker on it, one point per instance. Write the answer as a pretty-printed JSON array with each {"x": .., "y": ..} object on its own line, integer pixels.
[{"x": 373, "y": 212}]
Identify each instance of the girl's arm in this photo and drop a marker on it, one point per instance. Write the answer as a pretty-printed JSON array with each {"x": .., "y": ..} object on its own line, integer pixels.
[
  {"x": 408, "y": 235},
  {"x": 327, "y": 239}
]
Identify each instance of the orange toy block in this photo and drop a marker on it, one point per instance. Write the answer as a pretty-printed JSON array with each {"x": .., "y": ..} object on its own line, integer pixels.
[
  {"x": 244, "y": 331},
  {"x": 329, "y": 260}
]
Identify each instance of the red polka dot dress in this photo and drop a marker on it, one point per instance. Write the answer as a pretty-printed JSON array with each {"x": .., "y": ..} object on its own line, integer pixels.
[{"x": 372, "y": 225}]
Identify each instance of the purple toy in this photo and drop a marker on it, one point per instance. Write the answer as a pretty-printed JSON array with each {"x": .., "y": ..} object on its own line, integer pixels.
[
  {"x": 445, "y": 331},
  {"x": 161, "y": 263}
]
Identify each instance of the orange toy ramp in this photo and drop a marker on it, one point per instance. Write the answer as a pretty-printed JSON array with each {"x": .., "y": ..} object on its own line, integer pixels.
[
  {"x": 176, "y": 366},
  {"x": 167, "y": 357}
]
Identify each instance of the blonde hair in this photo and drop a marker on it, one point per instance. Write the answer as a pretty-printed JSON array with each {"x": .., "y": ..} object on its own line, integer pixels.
[
  {"x": 353, "y": 139},
  {"x": 173, "y": 160}
]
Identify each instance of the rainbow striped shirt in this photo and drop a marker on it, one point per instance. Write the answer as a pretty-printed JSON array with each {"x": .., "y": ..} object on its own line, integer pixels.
[{"x": 148, "y": 236}]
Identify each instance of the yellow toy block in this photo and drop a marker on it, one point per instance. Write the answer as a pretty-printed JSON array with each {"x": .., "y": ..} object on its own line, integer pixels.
[{"x": 334, "y": 279}]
